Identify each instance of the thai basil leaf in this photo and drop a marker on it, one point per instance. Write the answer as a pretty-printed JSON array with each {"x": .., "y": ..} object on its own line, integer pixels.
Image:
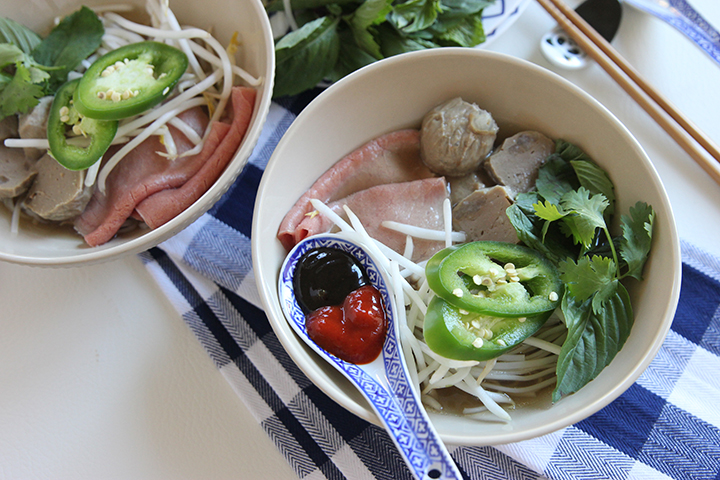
[
  {"x": 393, "y": 42},
  {"x": 462, "y": 8},
  {"x": 459, "y": 23},
  {"x": 593, "y": 339},
  {"x": 350, "y": 57},
  {"x": 596, "y": 181},
  {"x": 466, "y": 31},
  {"x": 414, "y": 15},
  {"x": 305, "y": 56},
  {"x": 555, "y": 178},
  {"x": 371, "y": 12},
  {"x": 529, "y": 229},
  {"x": 569, "y": 152},
  {"x": 75, "y": 38},
  {"x": 21, "y": 36},
  {"x": 634, "y": 245}
]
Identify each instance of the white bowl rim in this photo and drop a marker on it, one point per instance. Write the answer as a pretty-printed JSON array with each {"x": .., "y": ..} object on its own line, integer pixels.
[{"x": 295, "y": 347}]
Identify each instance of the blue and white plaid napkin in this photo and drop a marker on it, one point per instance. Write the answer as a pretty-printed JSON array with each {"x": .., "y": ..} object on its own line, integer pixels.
[{"x": 667, "y": 425}]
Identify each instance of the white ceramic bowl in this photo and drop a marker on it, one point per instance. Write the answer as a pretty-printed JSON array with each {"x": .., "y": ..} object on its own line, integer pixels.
[
  {"x": 396, "y": 93},
  {"x": 44, "y": 246}
]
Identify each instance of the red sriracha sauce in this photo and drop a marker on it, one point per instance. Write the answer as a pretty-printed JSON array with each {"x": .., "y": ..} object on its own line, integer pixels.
[
  {"x": 352, "y": 326},
  {"x": 354, "y": 331}
]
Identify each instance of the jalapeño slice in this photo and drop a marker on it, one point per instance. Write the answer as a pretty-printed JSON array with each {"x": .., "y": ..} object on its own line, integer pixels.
[
  {"x": 461, "y": 335},
  {"x": 76, "y": 142},
  {"x": 129, "y": 80},
  {"x": 495, "y": 278}
]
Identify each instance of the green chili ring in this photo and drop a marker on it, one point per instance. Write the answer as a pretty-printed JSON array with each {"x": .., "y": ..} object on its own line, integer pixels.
[
  {"x": 129, "y": 80},
  {"x": 461, "y": 335},
  {"x": 496, "y": 279},
  {"x": 63, "y": 117}
]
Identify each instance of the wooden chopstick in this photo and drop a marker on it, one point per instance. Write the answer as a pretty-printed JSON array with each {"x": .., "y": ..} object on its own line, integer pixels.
[{"x": 675, "y": 124}]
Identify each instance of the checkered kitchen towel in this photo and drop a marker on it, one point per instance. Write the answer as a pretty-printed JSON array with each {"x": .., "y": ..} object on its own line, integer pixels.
[{"x": 667, "y": 425}]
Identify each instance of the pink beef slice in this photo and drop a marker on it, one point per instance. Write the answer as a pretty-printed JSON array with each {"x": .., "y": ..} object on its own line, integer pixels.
[
  {"x": 390, "y": 158},
  {"x": 163, "y": 206},
  {"x": 144, "y": 173},
  {"x": 418, "y": 203}
]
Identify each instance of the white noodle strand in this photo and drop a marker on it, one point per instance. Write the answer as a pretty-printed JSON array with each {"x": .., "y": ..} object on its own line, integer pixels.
[{"x": 424, "y": 233}]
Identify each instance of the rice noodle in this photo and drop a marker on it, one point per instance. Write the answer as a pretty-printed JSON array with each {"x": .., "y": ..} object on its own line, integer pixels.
[
  {"x": 423, "y": 233},
  {"x": 15, "y": 220}
]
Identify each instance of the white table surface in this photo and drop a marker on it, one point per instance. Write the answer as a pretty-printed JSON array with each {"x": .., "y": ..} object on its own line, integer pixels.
[{"x": 100, "y": 377}]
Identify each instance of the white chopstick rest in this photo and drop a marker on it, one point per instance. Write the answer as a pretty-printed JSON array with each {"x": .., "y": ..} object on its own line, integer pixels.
[{"x": 562, "y": 51}]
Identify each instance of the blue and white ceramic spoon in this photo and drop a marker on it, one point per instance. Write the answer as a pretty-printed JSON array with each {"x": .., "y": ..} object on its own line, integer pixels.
[
  {"x": 681, "y": 15},
  {"x": 385, "y": 381}
]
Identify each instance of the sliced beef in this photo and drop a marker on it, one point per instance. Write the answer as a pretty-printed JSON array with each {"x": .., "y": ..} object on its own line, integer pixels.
[
  {"x": 163, "y": 206},
  {"x": 418, "y": 203},
  {"x": 144, "y": 173},
  {"x": 516, "y": 163},
  {"x": 390, "y": 158},
  {"x": 57, "y": 194},
  {"x": 140, "y": 174},
  {"x": 481, "y": 215}
]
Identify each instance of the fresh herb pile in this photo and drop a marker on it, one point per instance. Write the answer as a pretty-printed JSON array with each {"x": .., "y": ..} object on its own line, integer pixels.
[
  {"x": 336, "y": 37},
  {"x": 32, "y": 67},
  {"x": 566, "y": 217}
]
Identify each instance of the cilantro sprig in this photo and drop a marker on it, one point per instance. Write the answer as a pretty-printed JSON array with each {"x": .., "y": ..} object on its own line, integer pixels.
[
  {"x": 336, "y": 37},
  {"x": 567, "y": 217},
  {"x": 32, "y": 67}
]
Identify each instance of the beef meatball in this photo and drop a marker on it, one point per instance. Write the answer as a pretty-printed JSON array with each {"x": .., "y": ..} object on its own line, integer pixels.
[{"x": 456, "y": 137}]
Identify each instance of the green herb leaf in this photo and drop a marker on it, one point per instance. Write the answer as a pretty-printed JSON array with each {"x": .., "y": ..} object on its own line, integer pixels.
[
  {"x": 588, "y": 276},
  {"x": 569, "y": 152},
  {"x": 4, "y": 80},
  {"x": 19, "y": 94},
  {"x": 21, "y": 36},
  {"x": 596, "y": 181},
  {"x": 75, "y": 38},
  {"x": 555, "y": 178},
  {"x": 593, "y": 340},
  {"x": 414, "y": 15},
  {"x": 465, "y": 31},
  {"x": 531, "y": 231},
  {"x": 635, "y": 243},
  {"x": 587, "y": 215},
  {"x": 392, "y": 42},
  {"x": 10, "y": 54},
  {"x": 306, "y": 56},
  {"x": 548, "y": 211},
  {"x": 350, "y": 57},
  {"x": 462, "y": 8},
  {"x": 371, "y": 12}
]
